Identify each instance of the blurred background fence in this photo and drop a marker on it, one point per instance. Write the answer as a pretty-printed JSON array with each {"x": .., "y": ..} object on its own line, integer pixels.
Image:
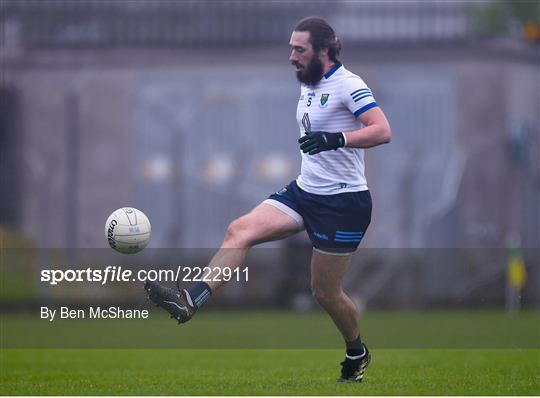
[
  {"x": 207, "y": 23},
  {"x": 185, "y": 109}
]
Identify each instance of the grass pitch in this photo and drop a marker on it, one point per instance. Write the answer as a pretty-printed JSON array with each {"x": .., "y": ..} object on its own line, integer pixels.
[
  {"x": 271, "y": 353},
  {"x": 266, "y": 372}
]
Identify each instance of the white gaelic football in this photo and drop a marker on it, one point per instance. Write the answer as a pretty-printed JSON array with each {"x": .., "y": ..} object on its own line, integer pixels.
[{"x": 127, "y": 230}]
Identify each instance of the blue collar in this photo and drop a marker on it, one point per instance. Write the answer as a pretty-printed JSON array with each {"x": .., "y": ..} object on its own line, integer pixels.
[{"x": 331, "y": 71}]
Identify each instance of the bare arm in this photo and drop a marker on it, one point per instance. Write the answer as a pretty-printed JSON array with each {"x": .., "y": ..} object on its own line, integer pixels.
[{"x": 376, "y": 131}]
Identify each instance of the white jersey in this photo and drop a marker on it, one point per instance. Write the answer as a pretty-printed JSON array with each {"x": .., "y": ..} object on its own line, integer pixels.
[{"x": 333, "y": 105}]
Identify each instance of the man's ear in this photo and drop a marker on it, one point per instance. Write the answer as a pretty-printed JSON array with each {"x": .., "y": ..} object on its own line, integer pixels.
[{"x": 323, "y": 53}]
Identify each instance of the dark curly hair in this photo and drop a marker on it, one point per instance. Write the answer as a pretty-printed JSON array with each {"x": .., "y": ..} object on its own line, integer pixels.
[{"x": 321, "y": 36}]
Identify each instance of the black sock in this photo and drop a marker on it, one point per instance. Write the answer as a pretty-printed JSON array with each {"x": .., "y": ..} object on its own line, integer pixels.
[
  {"x": 199, "y": 293},
  {"x": 355, "y": 348}
]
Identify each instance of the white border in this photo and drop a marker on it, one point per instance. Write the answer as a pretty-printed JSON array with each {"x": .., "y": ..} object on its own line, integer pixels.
[
  {"x": 332, "y": 253},
  {"x": 287, "y": 210}
]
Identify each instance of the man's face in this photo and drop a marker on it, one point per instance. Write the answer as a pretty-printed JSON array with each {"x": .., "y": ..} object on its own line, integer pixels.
[{"x": 309, "y": 68}]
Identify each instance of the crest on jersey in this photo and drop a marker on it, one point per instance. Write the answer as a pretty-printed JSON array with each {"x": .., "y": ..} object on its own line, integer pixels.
[{"x": 324, "y": 100}]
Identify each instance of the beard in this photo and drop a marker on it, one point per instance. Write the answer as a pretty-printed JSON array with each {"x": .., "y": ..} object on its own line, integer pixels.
[{"x": 312, "y": 73}]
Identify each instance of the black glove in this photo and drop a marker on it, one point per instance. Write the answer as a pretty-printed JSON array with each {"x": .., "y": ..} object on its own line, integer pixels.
[{"x": 319, "y": 141}]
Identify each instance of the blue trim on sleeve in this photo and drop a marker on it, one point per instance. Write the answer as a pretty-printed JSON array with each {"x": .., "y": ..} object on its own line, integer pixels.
[
  {"x": 355, "y": 97},
  {"x": 331, "y": 71},
  {"x": 359, "y": 91},
  {"x": 363, "y": 96},
  {"x": 365, "y": 108}
]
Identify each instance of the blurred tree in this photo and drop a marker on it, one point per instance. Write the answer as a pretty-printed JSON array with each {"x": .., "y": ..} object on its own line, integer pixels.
[{"x": 507, "y": 17}]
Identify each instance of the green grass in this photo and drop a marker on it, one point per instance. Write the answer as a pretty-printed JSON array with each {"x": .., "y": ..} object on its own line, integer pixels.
[
  {"x": 266, "y": 329},
  {"x": 266, "y": 372},
  {"x": 271, "y": 353}
]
